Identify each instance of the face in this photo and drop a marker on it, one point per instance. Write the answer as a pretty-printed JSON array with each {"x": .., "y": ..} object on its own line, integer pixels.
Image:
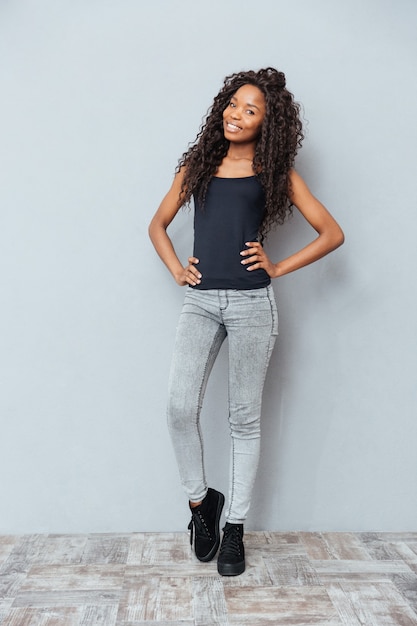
[{"x": 243, "y": 116}]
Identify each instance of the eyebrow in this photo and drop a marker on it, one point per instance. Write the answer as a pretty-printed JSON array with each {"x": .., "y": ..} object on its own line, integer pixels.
[{"x": 248, "y": 104}]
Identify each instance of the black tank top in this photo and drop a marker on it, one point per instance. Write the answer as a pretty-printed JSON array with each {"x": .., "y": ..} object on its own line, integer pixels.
[{"x": 232, "y": 214}]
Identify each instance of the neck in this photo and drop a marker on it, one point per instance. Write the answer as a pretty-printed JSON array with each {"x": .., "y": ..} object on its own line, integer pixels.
[{"x": 241, "y": 152}]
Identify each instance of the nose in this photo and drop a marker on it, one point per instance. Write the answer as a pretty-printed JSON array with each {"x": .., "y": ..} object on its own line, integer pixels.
[{"x": 235, "y": 113}]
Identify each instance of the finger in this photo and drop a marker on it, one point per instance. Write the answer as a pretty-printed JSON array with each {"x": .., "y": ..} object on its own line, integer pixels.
[
  {"x": 193, "y": 275},
  {"x": 196, "y": 279},
  {"x": 191, "y": 280},
  {"x": 193, "y": 259},
  {"x": 253, "y": 248},
  {"x": 193, "y": 270},
  {"x": 255, "y": 266},
  {"x": 251, "y": 259}
]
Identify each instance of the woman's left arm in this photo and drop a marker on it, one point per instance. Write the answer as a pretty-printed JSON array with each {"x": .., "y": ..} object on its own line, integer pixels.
[{"x": 330, "y": 235}]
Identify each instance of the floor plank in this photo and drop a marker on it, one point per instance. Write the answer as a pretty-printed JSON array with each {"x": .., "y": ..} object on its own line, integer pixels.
[
  {"x": 281, "y": 605},
  {"x": 209, "y": 602},
  {"x": 157, "y": 599},
  {"x": 379, "y": 605}
]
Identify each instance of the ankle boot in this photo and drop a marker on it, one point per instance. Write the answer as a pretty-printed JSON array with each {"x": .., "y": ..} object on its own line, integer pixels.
[
  {"x": 204, "y": 525},
  {"x": 231, "y": 560}
]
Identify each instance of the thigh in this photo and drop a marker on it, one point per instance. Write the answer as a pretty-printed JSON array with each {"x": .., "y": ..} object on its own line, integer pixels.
[
  {"x": 198, "y": 339},
  {"x": 252, "y": 330}
]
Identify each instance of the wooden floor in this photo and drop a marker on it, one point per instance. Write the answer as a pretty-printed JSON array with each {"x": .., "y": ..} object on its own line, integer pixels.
[{"x": 299, "y": 579}]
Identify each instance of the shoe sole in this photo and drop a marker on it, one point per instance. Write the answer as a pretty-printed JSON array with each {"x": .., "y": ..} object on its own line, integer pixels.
[
  {"x": 228, "y": 569},
  {"x": 210, "y": 556}
]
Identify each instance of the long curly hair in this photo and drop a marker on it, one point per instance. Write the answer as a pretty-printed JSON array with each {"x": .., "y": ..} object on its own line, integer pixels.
[{"x": 280, "y": 138}]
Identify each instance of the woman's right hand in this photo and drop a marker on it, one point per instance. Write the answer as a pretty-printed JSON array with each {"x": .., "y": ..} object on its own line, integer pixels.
[{"x": 190, "y": 274}]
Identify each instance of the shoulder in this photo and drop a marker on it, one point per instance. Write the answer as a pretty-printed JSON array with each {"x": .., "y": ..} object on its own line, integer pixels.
[{"x": 179, "y": 176}]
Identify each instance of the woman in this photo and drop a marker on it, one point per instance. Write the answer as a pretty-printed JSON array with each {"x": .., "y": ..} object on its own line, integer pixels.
[{"x": 240, "y": 173}]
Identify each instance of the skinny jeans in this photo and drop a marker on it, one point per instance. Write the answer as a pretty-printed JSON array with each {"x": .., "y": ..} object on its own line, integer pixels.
[{"x": 249, "y": 319}]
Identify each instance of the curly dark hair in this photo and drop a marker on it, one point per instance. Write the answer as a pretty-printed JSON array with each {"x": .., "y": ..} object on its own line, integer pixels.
[{"x": 275, "y": 152}]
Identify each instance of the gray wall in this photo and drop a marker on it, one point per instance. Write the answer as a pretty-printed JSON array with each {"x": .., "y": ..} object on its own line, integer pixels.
[{"x": 98, "y": 100}]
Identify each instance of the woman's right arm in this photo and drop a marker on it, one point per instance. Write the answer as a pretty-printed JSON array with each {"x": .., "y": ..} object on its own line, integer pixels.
[{"x": 166, "y": 212}]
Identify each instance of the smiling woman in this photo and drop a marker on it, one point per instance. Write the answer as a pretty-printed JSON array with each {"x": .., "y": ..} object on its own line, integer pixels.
[{"x": 240, "y": 174}]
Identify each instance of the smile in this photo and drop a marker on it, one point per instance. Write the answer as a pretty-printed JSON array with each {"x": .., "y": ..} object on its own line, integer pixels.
[{"x": 232, "y": 127}]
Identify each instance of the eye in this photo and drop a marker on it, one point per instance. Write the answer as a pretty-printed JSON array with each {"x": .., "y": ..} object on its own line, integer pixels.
[
  {"x": 232, "y": 104},
  {"x": 250, "y": 112}
]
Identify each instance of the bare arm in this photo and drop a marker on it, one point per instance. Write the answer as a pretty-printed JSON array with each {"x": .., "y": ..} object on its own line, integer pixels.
[
  {"x": 166, "y": 212},
  {"x": 330, "y": 235}
]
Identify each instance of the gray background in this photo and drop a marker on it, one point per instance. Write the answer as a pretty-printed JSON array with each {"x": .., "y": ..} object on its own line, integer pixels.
[{"x": 98, "y": 100}]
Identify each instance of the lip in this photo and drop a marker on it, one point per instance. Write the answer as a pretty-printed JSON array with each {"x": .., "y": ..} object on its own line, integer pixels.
[{"x": 232, "y": 128}]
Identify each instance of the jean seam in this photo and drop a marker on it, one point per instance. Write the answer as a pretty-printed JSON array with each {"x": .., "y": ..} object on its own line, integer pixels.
[
  {"x": 203, "y": 386},
  {"x": 232, "y": 490},
  {"x": 273, "y": 312}
]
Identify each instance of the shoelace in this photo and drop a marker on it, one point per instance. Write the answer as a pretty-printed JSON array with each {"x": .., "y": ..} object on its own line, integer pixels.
[
  {"x": 198, "y": 524},
  {"x": 231, "y": 542}
]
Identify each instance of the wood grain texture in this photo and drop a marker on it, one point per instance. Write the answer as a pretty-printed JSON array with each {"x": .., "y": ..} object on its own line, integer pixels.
[
  {"x": 281, "y": 605},
  {"x": 51, "y": 617},
  {"x": 139, "y": 579},
  {"x": 209, "y": 602},
  {"x": 157, "y": 599}
]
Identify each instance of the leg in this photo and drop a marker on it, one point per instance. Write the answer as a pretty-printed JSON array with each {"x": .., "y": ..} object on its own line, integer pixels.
[
  {"x": 200, "y": 334},
  {"x": 252, "y": 326}
]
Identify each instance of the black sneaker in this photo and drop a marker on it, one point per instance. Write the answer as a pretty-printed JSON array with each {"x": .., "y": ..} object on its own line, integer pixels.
[
  {"x": 204, "y": 525},
  {"x": 231, "y": 560}
]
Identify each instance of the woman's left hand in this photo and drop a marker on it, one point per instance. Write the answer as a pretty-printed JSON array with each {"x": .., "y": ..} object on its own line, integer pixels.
[{"x": 256, "y": 258}]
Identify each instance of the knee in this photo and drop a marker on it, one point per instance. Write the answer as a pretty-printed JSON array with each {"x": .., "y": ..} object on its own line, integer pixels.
[
  {"x": 181, "y": 412},
  {"x": 245, "y": 422}
]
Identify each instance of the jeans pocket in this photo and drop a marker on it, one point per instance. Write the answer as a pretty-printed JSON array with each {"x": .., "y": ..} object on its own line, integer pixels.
[{"x": 253, "y": 294}]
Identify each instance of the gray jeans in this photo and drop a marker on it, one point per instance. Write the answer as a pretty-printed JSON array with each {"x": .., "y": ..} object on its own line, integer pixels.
[{"x": 249, "y": 319}]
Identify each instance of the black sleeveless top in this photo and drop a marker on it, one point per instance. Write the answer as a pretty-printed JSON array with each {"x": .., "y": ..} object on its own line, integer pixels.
[{"x": 231, "y": 216}]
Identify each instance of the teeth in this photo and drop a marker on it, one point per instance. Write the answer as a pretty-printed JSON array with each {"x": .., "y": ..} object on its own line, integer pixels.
[{"x": 233, "y": 126}]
